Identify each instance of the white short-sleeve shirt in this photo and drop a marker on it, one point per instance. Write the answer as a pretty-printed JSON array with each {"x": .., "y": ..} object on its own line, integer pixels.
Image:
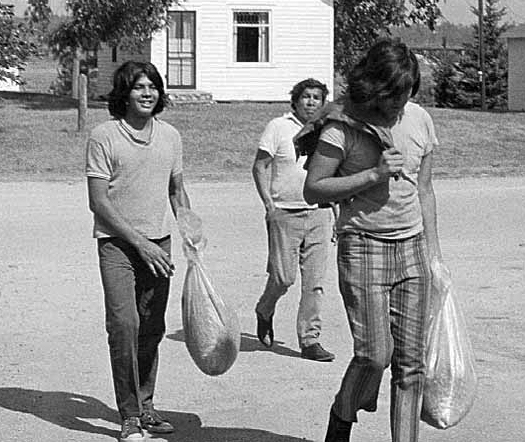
[{"x": 287, "y": 172}]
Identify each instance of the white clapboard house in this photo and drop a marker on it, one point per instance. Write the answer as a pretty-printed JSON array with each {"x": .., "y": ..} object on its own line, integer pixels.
[{"x": 237, "y": 49}]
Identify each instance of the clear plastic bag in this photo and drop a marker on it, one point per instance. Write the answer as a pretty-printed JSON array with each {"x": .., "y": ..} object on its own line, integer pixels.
[
  {"x": 211, "y": 329},
  {"x": 450, "y": 384}
]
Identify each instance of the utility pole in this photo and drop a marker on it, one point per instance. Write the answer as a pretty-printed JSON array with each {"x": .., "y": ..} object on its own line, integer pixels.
[{"x": 481, "y": 55}]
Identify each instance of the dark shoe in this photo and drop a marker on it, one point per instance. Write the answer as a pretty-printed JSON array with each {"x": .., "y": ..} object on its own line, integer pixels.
[
  {"x": 131, "y": 430},
  {"x": 338, "y": 429},
  {"x": 265, "y": 330},
  {"x": 315, "y": 352},
  {"x": 153, "y": 422}
]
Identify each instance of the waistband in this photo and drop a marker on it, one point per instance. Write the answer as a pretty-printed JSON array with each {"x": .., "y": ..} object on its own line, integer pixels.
[{"x": 369, "y": 235}]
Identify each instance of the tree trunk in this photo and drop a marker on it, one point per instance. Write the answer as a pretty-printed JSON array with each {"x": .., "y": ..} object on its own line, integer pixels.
[
  {"x": 82, "y": 101},
  {"x": 75, "y": 74}
]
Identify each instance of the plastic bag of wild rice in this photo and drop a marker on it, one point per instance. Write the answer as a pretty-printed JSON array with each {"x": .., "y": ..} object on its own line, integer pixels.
[
  {"x": 450, "y": 384},
  {"x": 211, "y": 327}
]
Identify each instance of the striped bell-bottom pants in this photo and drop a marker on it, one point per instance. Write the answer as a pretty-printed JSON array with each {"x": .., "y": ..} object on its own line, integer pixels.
[{"x": 385, "y": 286}]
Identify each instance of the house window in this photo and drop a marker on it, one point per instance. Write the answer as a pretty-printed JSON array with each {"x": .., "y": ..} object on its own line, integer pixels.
[
  {"x": 114, "y": 54},
  {"x": 181, "y": 50},
  {"x": 251, "y": 37}
]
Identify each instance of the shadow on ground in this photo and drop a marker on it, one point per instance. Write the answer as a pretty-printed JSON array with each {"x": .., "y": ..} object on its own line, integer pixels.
[
  {"x": 69, "y": 410},
  {"x": 249, "y": 343},
  {"x": 48, "y": 102}
]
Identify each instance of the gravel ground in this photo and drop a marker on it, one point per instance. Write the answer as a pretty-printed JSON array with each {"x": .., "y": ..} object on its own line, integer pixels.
[{"x": 55, "y": 381}]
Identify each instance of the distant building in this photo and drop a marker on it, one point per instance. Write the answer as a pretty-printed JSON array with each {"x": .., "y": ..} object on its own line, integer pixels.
[
  {"x": 6, "y": 84},
  {"x": 516, "y": 59},
  {"x": 237, "y": 49},
  {"x": 438, "y": 51}
]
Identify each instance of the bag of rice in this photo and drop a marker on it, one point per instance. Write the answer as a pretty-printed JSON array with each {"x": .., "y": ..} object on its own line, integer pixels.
[
  {"x": 211, "y": 329},
  {"x": 450, "y": 384}
]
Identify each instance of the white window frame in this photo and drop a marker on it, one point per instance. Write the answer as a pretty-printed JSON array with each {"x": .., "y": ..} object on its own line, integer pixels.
[{"x": 232, "y": 39}]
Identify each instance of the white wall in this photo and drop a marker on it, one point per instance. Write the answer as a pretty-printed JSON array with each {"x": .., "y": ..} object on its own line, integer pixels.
[
  {"x": 516, "y": 87},
  {"x": 301, "y": 46}
]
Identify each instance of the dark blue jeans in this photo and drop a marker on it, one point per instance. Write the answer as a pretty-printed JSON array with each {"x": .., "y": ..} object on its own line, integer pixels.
[{"x": 135, "y": 302}]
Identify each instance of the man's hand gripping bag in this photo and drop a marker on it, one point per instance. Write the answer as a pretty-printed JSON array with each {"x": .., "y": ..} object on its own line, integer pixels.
[
  {"x": 450, "y": 384},
  {"x": 211, "y": 328}
]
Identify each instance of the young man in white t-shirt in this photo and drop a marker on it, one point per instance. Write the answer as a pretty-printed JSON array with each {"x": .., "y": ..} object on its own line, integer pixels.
[
  {"x": 298, "y": 232},
  {"x": 134, "y": 173}
]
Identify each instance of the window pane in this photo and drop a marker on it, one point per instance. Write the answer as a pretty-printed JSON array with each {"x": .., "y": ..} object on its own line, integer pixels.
[
  {"x": 181, "y": 49},
  {"x": 250, "y": 18},
  {"x": 187, "y": 72},
  {"x": 247, "y": 44},
  {"x": 174, "y": 71},
  {"x": 251, "y": 38},
  {"x": 263, "y": 47}
]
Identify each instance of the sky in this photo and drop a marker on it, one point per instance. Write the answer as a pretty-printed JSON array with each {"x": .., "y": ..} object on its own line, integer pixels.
[{"x": 455, "y": 11}]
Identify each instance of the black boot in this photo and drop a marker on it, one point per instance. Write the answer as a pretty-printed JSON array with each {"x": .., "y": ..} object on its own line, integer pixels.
[
  {"x": 338, "y": 429},
  {"x": 265, "y": 330}
]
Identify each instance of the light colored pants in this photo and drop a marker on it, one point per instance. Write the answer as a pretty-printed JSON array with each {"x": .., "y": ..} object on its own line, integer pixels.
[
  {"x": 297, "y": 238},
  {"x": 385, "y": 287}
]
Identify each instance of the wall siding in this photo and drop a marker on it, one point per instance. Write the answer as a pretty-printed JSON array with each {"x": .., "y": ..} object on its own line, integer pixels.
[
  {"x": 516, "y": 85},
  {"x": 301, "y": 47}
]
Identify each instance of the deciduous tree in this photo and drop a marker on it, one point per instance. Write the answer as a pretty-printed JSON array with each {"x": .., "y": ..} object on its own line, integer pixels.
[
  {"x": 90, "y": 23},
  {"x": 358, "y": 23},
  {"x": 15, "y": 46}
]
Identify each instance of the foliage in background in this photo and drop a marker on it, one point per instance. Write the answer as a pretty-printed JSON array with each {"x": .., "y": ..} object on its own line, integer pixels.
[
  {"x": 62, "y": 84},
  {"x": 495, "y": 59},
  {"x": 458, "y": 83},
  {"x": 452, "y": 34},
  {"x": 118, "y": 23},
  {"x": 359, "y": 23},
  {"x": 15, "y": 44},
  {"x": 91, "y": 23},
  {"x": 447, "y": 92}
]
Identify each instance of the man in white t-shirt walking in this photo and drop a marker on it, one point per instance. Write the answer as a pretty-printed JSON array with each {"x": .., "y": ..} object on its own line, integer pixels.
[{"x": 298, "y": 232}]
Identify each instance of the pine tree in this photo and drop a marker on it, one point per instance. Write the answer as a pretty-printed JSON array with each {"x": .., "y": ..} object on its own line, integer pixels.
[
  {"x": 446, "y": 89},
  {"x": 495, "y": 59}
]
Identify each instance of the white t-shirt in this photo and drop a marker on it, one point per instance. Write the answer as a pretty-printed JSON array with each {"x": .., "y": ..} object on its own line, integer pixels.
[
  {"x": 287, "y": 172},
  {"x": 391, "y": 209}
]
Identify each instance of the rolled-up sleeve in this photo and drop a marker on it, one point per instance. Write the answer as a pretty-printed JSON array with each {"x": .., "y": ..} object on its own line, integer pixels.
[{"x": 98, "y": 163}]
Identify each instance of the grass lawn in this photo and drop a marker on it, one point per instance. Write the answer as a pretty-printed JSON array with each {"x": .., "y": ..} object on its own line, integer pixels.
[{"x": 40, "y": 141}]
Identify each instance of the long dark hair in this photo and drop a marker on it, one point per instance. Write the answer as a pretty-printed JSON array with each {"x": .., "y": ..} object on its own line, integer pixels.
[
  {"x": 124, "y": 79},
  {"x": 389, "y": 68}
]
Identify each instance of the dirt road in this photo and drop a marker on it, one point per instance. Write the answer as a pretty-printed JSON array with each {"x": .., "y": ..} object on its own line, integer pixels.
[{"x": 55, "y": 383}]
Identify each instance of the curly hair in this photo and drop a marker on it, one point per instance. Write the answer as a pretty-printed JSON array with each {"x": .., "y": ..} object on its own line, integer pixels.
[
  {"x": 299, "y": 88},
  {"x": 389, "y": 68},
  {"x": 125, "y": 78}
]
